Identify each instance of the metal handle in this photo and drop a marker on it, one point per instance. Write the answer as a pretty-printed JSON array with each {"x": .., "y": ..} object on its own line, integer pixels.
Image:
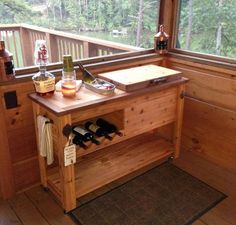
[{"x": 158, "y": 81}]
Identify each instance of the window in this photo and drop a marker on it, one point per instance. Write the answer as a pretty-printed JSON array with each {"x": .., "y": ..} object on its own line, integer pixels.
[
  {"x": 207, "y": 26},
  {"x": 125, "y": 25}
]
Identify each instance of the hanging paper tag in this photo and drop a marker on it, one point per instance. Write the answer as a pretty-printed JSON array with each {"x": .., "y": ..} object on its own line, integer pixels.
[{"x": 69, "y": 155}]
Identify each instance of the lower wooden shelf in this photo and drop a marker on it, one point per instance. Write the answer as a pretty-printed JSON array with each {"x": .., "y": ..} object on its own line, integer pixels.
[{"x": 98, "y": 169}]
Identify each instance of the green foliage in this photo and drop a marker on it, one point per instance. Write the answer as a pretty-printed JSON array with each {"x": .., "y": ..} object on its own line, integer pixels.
[
  {"x": 212, "y": 21},
  {"x": 84, "y": 15},
  {"x": 13, "y": 11}
]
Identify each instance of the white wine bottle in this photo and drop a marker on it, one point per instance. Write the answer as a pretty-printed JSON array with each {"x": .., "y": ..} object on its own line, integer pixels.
[
  {"x": 86, "y": 136},
  {"x": 97, "y": 130}
]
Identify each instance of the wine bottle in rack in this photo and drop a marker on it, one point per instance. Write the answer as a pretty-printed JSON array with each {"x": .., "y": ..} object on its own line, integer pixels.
[
  {"x": 87, "y": 76},
  {"x": 77, "y": 140},
  {"x": 109, "y": 127},
  {"x": 90, "y": 126},
  {"x": 85, "y": 135}
]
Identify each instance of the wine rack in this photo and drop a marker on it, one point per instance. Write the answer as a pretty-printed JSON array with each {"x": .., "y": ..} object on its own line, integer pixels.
[
  {"x": 116, "y": 118},
  {"x": 136, "y": 114}
]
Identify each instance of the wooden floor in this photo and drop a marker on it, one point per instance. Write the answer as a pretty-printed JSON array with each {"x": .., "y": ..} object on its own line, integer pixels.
[{"x": 36, "y": 207}]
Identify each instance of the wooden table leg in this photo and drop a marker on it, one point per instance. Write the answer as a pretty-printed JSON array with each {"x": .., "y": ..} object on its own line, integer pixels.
[
  {"x": 179, "y": 120},
  {"x": 67, "y": 173},
  {"x": 42, "y": 161}
]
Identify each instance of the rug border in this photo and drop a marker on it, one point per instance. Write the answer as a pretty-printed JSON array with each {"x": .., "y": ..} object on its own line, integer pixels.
[
  {"x": 224, "y": 196},
  {"x": 206, "y": 210}
]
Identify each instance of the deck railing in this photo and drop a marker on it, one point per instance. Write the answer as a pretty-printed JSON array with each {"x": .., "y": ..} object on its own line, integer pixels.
[{"x": 20, "y": 40}]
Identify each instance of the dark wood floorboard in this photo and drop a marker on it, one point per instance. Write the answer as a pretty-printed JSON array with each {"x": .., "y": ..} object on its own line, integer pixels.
[
  {"x": 48, "y": 207},
  {"x": 7, "y": 215},
  {"x": 27, "y": 211}
]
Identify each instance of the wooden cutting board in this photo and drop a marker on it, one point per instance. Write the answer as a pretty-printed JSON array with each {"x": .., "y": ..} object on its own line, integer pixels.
[{"x": 140, "y": 77}]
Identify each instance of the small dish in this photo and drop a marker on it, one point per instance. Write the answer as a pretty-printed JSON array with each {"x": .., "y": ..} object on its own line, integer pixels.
[{"x": 101, "y": 86}]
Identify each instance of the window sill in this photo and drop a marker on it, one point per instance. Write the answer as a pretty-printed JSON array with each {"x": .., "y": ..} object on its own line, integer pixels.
[
  {"x": 212, "y": 62},
  {"x": 95, "y": 65}
]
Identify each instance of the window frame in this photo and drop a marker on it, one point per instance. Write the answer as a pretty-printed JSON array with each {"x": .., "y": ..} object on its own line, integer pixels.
[
  {"x": 172, "y": 8},
  {"x": 168, "y": 15}
]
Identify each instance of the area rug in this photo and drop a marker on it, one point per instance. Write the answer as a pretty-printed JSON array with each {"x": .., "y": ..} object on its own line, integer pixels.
[{"x": 165, "y": 195}]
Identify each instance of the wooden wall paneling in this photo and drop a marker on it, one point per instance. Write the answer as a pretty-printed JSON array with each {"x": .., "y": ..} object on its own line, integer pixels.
[
  {"x": 210, "y": 173},
  {"x": 26, "y": 174},
  {"x": 6, "y": 175},
  {"x": 21, "y": 137},
  {"x": 22, "y": 115},
  {"x": 210, "y": 131},
  {"x": 22, "y": 143},
  {"x": 220, "y": 91},
  {"x": 209, "y": 116}
]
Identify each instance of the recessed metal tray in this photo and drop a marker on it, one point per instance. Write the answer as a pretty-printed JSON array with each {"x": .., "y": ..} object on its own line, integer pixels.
[{"x": 101, "y": 86}]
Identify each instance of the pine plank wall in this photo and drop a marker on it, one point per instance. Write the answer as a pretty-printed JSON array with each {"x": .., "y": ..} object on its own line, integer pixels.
[{"x": 209, "y": 125}]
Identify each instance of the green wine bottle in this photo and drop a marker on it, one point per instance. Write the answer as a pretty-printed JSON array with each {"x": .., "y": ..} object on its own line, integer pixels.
[{"x": 87, "y": 76}]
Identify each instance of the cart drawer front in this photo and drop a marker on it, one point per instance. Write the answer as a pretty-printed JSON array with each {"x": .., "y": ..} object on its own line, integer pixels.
[{"x": 145, "y": 116}]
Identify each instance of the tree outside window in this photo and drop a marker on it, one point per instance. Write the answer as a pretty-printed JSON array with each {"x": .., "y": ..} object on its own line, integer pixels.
[
  {"x": 207, "y": 26},
  {"x": 132, "y": 22}
]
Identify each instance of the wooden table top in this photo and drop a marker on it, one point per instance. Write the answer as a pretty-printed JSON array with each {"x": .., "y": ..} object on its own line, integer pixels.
[{"x": 85, "y": 98}]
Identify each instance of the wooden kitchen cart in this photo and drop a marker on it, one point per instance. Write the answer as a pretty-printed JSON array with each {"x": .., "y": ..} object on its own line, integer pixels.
[{"x": 137, "y": 114}]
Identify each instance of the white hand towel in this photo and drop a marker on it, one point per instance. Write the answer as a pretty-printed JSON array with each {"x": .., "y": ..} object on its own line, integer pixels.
[{"x": 45, "y": 138}]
